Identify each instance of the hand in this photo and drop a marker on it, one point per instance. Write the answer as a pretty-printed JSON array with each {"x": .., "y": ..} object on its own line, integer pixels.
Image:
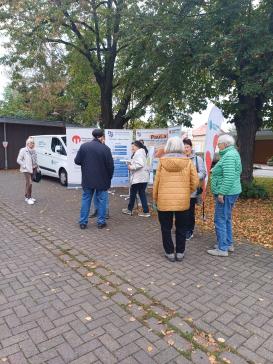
[
  {"x": 221, "y": 198},
  {"x": 129, "y": 167}
]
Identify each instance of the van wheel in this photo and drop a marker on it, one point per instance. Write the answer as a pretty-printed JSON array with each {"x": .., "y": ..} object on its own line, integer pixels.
[{"x": 63, "y": 177}]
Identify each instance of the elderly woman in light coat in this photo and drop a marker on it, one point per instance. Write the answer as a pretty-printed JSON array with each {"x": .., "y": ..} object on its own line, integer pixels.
[
  {"x": 27, "y": 159},
  {"x": 176, "y": 178},
  {"x": 139, "y": 178}
]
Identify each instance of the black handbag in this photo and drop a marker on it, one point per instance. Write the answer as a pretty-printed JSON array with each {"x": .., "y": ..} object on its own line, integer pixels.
[{"x": 37, "y": 176}]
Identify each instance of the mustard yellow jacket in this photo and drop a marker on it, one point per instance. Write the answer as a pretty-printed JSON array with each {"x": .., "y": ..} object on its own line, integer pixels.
[{"x": 176, "y": 178}]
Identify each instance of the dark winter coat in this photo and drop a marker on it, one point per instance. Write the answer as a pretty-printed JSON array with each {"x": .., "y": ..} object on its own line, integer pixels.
[{"x": 97, "y": 165}]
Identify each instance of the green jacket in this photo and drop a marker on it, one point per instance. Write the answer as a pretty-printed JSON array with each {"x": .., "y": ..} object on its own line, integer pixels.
[{"x": 225, "y": 177}]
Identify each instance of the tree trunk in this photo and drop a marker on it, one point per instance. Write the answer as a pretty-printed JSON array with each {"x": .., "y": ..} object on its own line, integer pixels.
[
  {"x": 106, "y": 107},
  {"x": 247, "y": 123}
]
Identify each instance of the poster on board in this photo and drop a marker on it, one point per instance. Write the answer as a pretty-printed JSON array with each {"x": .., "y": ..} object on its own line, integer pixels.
[
  {"x": 174, "y": 131},
  {"x": 75, "y": 137},
  {"x": 156, "y": 138},
  {"x": 119, "y": 141}
]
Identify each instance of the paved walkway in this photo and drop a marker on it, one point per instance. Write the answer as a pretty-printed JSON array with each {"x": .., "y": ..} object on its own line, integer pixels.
[{"x": 109, "y": 296}]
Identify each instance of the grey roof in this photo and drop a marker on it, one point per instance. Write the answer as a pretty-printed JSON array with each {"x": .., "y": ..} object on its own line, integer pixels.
[{"x": 11, "y": 120}]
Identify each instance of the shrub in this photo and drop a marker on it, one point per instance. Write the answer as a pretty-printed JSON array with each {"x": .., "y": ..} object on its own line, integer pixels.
[{"x": 253, "y": 190}]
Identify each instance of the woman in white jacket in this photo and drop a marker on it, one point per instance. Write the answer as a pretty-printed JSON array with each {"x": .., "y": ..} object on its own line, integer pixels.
[
  {"x": 27, "y": 159},
  {"x": 139, "y": 178}
]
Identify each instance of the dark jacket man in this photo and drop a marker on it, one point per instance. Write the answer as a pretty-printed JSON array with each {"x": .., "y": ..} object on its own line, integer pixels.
[{"x": 96, "y": 162}]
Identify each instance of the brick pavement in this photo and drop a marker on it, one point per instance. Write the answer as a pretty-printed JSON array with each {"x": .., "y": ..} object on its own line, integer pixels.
[{"x": 110, "y": 296}]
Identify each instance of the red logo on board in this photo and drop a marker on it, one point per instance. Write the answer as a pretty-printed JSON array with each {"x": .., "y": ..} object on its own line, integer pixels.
[{"x": 76, "y": 139}]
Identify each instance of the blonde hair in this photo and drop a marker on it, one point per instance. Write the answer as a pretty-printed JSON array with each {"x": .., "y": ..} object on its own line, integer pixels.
[
  {"x": 30, "y": 140},
  {"x": 174, "y": 145}
]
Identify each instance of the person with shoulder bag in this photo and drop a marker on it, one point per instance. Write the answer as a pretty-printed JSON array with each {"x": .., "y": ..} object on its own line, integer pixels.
[
  {"x": 27, "y": 159},
  {"x": 196, "y": 195}
]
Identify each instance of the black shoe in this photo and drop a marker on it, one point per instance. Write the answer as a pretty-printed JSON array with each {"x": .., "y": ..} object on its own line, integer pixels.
[
  {"x": 107, "y": 216},
  {"x": 94, "y": 214},
  {"x": 101, "y": 226},
  {"x": 82, "y": 226},
  {"x": 189, "y": 235}
]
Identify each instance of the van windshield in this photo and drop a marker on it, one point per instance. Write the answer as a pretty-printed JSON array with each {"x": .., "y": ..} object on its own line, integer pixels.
[{"x": 64, "y": 139}]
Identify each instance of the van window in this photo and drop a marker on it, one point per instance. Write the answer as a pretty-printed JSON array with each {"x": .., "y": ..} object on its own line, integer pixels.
[{"x": 54, "y": 143}]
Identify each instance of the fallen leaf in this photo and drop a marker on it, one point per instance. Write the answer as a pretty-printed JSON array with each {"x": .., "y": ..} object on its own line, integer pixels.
[
  {"x": 170, "y": 342},
  {"x": 89, "y": 274},
  {"x": 212, "y": 359},
  {"x": 88, "y": 318},
  {"x": 105, "y": 297},
  {"x": 129, "y": 289},
  {"x": 221, "y": 340},
  {"x": 261, "y": 299},
  {"x": 226, "y": 360},
  {"x": 149, "y": 349},
  {"x": 132, "y": 319}
]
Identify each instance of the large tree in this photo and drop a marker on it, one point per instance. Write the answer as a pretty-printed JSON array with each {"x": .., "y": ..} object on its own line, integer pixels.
[
  {"x": 128, "y": 46},
  {"x": 238, "y": 52}
]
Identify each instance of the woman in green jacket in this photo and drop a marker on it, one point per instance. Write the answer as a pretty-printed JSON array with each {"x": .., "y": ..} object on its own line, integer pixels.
[{"x": 226, "y": 187}]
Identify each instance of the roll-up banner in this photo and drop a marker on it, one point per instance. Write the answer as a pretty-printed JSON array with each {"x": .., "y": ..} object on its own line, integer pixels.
[
  {"x": 75, "y": 137},
  {"x": 215, "y": 121},
  {"x": 119, "y": 141}
]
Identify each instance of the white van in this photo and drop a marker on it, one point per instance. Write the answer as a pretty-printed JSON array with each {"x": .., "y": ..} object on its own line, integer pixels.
[{"x": 52, "y": 156}]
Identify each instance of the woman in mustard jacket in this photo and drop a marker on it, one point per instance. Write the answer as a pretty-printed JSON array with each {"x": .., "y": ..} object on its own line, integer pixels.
[{"x": 176, "y": 178}]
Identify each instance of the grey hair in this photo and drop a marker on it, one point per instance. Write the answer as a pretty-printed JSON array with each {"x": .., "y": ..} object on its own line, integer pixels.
[
  {"x": 29, "y": 140},
  {"x": 226, "y": 139},
  {"x": 174, "y": 145}
]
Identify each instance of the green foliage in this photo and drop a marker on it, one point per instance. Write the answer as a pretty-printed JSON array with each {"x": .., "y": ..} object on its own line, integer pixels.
[
  {"x": 266, "y": 183},
  {"x": 253, "y": 190}
]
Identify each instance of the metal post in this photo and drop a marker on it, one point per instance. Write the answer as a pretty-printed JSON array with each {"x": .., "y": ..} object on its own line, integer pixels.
[{"x": 6, "y": 149}]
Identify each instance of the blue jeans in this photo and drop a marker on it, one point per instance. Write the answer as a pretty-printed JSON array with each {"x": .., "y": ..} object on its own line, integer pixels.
[
  {"x": 101, "y": 197},
  {"x": 96, "y": 202},
  {"x": 223, "y": 221}
]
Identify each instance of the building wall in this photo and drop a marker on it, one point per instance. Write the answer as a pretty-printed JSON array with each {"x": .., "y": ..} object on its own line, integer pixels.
[
  {"x": 17, "y": 135},
  {"x": 263, "y": 151}
]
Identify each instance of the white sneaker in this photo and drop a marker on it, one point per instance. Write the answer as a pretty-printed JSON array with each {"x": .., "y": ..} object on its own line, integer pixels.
[
  {"x": 217, "y": 252},
  {"x": 230, "y": 249},
  {"x": 144, "y": 214},
  {"x": 33, "y": 199},
  {"x": 29, "y": 201}
]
